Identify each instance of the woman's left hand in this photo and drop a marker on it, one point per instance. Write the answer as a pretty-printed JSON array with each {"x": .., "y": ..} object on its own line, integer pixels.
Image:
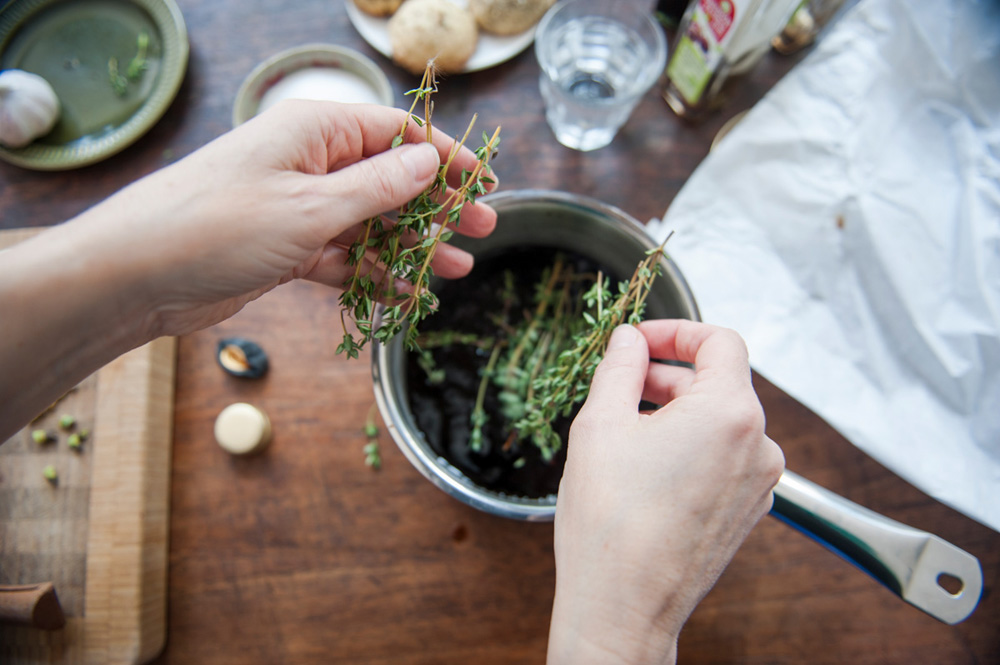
[{"x": 278, "y": 198}]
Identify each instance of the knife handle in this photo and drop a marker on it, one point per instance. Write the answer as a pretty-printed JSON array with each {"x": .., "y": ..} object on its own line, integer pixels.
[{"x": 35, "y": 605}]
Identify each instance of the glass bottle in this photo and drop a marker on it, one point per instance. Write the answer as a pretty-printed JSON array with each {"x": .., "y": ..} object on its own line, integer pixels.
[
  {"x": 801, "y": 30},
  {"x": 718, "y": 38}
]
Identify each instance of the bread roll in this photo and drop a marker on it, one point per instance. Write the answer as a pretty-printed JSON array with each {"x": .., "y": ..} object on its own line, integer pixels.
[
  {"x": 378, "y": 7},
  {"x": 422, "y": 30},
  {"x": 508, "y": 17}
]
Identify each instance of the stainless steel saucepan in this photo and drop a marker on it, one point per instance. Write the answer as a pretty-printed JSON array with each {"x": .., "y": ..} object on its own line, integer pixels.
[{"x": 908, "y": 561}]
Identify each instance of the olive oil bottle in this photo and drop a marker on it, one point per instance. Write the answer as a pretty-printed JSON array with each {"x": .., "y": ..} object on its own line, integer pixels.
[{"x": 715, "y": 39}]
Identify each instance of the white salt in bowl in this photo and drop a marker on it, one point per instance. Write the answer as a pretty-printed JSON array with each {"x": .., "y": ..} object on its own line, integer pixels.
[{"x": 314, "y": 71}]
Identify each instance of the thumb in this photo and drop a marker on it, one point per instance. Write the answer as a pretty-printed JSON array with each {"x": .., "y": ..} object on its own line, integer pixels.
[
  {"x": 382, "y": 182},
  {"x": 620, "y": 376}
]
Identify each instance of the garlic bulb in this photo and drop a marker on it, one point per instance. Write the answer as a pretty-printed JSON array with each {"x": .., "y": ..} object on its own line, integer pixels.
[{"x": 29, "y": 108}]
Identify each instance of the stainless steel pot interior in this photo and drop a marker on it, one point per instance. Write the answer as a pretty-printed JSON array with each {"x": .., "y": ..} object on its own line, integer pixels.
[{"x": 527, "y": 218}]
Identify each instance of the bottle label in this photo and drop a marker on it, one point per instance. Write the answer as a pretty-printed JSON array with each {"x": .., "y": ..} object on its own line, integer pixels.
[{"x": 700, "y": 49}]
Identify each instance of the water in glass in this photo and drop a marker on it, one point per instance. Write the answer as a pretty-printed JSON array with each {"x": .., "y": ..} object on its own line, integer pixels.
[{"x": 594, "y": 75}]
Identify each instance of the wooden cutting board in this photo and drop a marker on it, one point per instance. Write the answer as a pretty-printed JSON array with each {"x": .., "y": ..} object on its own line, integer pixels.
[{"x": 100, "y": 533}]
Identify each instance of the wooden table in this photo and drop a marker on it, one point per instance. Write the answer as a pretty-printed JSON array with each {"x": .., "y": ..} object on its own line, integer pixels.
[{"x": 304, "y": 555}]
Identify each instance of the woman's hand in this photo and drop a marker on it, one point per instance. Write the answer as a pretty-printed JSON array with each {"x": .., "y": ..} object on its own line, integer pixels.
[
  {"x": 275, "y": 199},
  {"x": 652, "y": 507}
]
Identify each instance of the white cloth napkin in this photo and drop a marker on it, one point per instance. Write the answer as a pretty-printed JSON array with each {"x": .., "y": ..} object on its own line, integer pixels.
[{"x": 849, "y": 229}]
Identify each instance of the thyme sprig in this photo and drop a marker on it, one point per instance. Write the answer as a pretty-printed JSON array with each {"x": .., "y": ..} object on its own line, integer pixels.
[
  {"x": 386, "y": 251},
  {"x": 566, "y": 382},
  {"x": 136, "y": 66},
  {"x": 479, "y": 418},
  {"x": 373, "y": 455}
]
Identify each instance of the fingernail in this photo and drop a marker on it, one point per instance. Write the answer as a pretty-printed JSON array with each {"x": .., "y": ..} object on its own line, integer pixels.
[
  {"x": 623, "y": 336},
  {"x": 420, "y": 160}
]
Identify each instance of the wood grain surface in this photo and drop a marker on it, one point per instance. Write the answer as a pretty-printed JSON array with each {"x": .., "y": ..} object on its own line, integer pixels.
[
  {"x": 99, "y": 532},
  {"x": 44, "y": 525},
  {"x": 304, "y": 555}
]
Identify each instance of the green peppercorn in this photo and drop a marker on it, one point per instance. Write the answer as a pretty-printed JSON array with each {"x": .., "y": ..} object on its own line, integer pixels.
[
  {"x": 66, "y": 421},
  {"x": 50, "y": 474},
  {"x": 40, "y": 436},
  {"x": 74, "y": 440}
]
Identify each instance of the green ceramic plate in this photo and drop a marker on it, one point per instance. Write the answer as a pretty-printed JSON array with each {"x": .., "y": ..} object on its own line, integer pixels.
[{"x": 71, "y": 44}]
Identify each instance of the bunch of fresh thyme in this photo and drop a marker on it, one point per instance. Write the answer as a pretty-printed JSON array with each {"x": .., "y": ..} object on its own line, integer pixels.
[
  {"x": 404, "y": 249},
  {"x": 530, "y": 345},
  {"x": 542, "y": 365},
  {"x": 567, "y": 381}
]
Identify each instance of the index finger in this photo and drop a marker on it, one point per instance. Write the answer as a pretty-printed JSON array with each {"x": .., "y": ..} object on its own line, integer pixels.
[
  {"x": 715, "y": 352},
  {"x": 377, "y": 126}
]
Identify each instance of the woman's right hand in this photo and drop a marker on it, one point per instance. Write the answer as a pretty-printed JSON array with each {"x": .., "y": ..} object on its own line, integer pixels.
[{"x": 652, "y": 507}]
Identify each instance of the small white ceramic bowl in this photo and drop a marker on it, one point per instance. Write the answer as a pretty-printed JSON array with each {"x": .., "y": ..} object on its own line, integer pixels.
[{"x": 312, "y": 71}]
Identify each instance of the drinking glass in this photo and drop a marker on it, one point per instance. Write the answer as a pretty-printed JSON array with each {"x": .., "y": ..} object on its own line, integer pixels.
[{"x": 598, "y": 58}]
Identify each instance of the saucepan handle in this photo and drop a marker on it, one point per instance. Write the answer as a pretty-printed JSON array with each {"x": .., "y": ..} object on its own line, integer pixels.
[{"x": 910, "y": 562}]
